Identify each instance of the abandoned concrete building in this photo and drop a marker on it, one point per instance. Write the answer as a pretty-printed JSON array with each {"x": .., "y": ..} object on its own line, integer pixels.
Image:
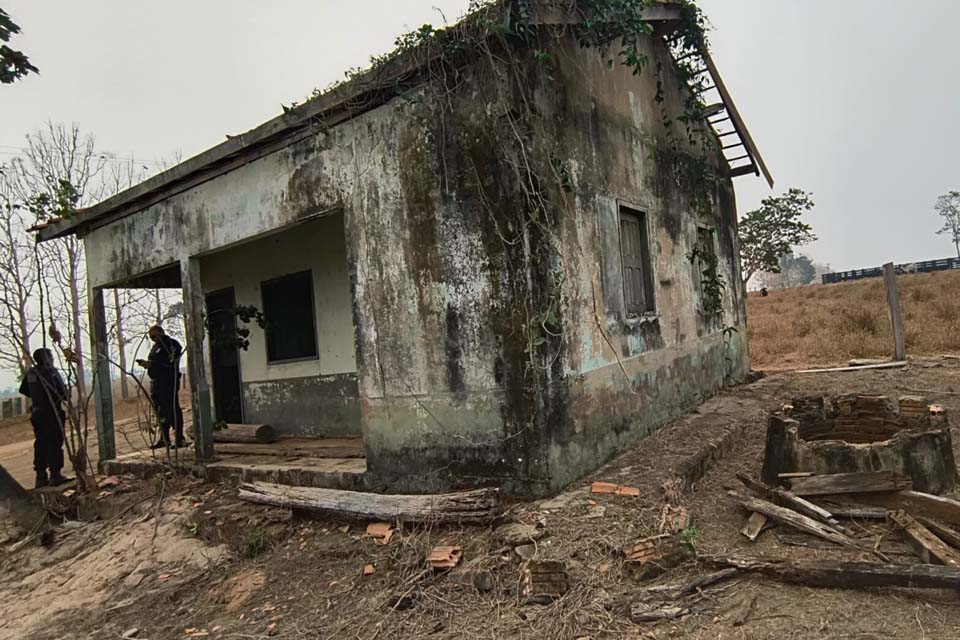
[{"x": 484, "y": 264}]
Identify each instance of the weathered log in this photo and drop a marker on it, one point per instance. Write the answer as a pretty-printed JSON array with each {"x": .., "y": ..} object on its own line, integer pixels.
[
  {"x": 794, "y": 538},
  {"x": 478, "y": 506},
  {"x": 851, "y": 575},
  {"x": 247, "y": 433},
  {"x": 787, "y": 499},
  {"x": 930, "y": 548},
  {"x": 855, "y": 511},
  {"x": 913, "y": 502},
  {"x": 858, "y": 482},
  {"x": 794, "y": 519},
  {"x": 942, "y": 531}
]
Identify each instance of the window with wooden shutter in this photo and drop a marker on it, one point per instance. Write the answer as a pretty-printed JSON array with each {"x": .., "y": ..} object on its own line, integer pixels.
[{"x": 637, "y": 265}]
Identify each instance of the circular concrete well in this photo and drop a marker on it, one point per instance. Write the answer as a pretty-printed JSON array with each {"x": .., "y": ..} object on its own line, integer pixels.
[{"x": 854, "y": 433}]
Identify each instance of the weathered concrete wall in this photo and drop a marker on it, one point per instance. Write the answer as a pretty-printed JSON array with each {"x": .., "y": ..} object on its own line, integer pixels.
[
  {"x": 627, "y": 376},
  {"x": 454, "y": 265},
  {"x": 318, "y": 246},
  {"x": 314, "y": 406}
]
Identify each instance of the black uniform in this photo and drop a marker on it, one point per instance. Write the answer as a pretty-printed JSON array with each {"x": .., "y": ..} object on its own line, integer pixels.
[
  {"x": 47, "y": 391},
  {"x": 164, "y": 372}
]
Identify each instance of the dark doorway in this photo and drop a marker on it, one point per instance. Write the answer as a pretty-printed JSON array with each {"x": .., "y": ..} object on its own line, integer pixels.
[{"x": 224, "y": 359}]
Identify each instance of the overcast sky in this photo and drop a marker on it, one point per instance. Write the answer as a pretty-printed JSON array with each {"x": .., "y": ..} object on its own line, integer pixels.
[{"x": 854, "y": 100}]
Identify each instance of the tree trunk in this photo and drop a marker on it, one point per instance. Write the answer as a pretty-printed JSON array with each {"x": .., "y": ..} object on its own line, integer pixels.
[
  {"x": 480, "y": 506},
  {"x": 75, "y": 310},
  {"x": 121, "y": 348}
]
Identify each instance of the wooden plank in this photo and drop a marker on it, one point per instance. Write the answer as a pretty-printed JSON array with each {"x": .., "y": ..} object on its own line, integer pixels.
[
  {"x": 896, "y": 318},
  {"x": 913, "y": 502},
  {"x": 479, "y": 506},
  {"x": 787, "y": 499},
  {"x": 852, "y": 575},
  {"x": 794, "y": 519},
  {"x": 856, "y": 511},
  {"x": 942, "y": 531},
  {"x": 929, "y": 547},
  {"x": 754, "y": 526},
  {"x": 887, "y": 365},
  {"x": 795, "y": 538},
  {"x": 840, "y": 483},
  {"x": 737, "y": 120}
]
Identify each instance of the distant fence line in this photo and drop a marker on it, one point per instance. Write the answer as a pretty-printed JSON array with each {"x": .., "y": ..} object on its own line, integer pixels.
[{"x": 944, "y": 264}]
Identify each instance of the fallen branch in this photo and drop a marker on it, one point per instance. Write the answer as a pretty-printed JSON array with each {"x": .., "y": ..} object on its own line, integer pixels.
[
  {"x": 479, "y": 506},
  {"x": 853, "y": 575}
]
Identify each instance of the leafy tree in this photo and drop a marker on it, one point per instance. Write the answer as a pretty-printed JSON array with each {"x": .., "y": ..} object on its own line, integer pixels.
[
  {"x": 771, "y": 232},
  {"x": 13, "y": 64},
  {"x": 798, "y": 270},
  {"x": 948, "y": 206}
]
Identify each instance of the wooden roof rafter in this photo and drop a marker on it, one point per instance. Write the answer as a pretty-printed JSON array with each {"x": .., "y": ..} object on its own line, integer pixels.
[{"x": 737, "y": 143}]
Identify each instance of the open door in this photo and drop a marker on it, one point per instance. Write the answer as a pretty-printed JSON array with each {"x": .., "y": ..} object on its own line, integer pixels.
[{"x": 224, "y": 359}]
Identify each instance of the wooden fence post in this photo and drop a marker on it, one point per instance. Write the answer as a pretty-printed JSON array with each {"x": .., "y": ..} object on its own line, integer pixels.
[{"x": 893, "y": 299}]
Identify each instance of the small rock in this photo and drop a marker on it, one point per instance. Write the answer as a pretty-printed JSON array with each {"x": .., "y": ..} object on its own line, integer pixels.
[
  {"x": 133, "y": 580},
  {"x": 526, "y": 551},
  {"x": 564, "y": 500},
  {"x": 516, "y": 533},
  {"x": 483, "y": 581},
  {"x": 130, "y": 633}
]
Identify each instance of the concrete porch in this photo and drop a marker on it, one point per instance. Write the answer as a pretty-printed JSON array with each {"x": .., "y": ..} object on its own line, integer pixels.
[{"x": 332, "y": 463}]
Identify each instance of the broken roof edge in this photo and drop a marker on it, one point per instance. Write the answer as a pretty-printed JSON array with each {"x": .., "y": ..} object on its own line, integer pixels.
[{"x": 327, "y": 109}]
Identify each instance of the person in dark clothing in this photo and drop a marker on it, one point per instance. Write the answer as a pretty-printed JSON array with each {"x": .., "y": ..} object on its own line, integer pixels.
[
  {"x": 45, "y": 388},
  {"x": 163, "y": 367}
]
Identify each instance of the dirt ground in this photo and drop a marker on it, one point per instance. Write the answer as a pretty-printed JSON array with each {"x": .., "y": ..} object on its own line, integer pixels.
[{"x": 201, "y": 564}]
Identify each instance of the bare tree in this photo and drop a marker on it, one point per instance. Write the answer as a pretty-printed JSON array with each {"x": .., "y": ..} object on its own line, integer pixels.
[
  {"x": 948, "y": 206},
  {"x": 18, "y": 280},
  {"x": 61, "y": 169}
]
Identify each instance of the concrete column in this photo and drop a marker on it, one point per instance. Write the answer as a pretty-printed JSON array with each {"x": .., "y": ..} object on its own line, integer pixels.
[
  {"x": 102, "y": 393},
  {"x": 199, "y": 387}
]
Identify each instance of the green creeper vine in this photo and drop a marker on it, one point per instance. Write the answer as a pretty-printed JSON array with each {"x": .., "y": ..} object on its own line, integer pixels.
[{"x": 712, "y": 285}]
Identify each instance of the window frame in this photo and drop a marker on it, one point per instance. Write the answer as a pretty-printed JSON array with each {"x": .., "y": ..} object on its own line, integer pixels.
[
  {"x": 647, "y": 292},
  {"x": 313, "y": 318},
  {"x": 697, "y": 265}
]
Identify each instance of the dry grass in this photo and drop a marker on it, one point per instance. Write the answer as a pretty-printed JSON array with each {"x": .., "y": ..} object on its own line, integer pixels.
[{"x": 829, "y": 324}]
